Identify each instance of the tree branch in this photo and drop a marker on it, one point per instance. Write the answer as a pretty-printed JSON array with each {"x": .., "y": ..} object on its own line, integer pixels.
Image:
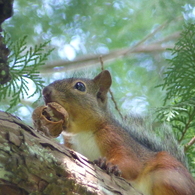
[
  {"x": 33, "y": 163},
  {"x": 91, "y": 60},
  {"x": 190, "y": 143}
]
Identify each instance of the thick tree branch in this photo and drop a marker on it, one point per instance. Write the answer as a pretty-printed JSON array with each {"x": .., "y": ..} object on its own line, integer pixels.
[{"x": 33, "y": 163}]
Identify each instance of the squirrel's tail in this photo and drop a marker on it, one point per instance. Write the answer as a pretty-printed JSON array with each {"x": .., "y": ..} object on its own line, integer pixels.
[{"x": 154, "y": 135}]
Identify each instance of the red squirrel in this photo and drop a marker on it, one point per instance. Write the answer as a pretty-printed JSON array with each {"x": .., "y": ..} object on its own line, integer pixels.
[{"x": 92, "y": 131}]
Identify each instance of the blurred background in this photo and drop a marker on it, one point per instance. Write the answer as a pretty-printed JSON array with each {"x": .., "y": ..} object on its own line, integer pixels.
[{"x": 131, "y": 37}]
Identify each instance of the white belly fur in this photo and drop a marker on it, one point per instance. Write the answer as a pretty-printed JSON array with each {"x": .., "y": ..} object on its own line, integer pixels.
[{"x": 85, "y": 144}]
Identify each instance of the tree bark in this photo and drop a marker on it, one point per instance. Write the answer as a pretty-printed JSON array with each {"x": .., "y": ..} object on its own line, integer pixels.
[
  {"x": 5, "y": 12},
  {"x": 31, "y": 163}
]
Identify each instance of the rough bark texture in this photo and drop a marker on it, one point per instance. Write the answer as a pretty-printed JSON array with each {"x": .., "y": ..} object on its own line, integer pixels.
[
  {"x": 31, "y": 163},
  {"x": 5, "y": 12}
]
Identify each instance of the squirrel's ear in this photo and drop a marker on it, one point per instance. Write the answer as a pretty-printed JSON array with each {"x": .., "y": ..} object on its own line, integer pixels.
[{"x": 104, "y": 81}]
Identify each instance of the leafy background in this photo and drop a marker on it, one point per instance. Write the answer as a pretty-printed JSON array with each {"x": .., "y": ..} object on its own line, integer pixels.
[{"x": 131, "y": 36}]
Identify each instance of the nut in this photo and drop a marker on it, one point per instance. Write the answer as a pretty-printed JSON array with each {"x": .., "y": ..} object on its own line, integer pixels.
[{"x": 51, "y": 119}]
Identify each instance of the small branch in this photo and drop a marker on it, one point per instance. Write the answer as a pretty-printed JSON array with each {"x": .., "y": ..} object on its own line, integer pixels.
[
  {"x": 115, "y": 104},
  {"x": 191, "y": 116},
  {"x": 146, "y": 37},
  {"x": 101, "y": 63},
  {"x": 111, "y": 94},
  {"x": 173, "y": 36},
  {"x": 189, "y": 144},
  {"x": 91, "y": 60}
]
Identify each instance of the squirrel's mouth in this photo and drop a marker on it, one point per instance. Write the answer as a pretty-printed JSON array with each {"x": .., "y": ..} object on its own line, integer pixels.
[
  {"x": 47, "y": 99},
  {"x": 48, "y": 95}
]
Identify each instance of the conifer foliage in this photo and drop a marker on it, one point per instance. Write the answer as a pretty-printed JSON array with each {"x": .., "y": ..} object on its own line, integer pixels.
[
  {"x": 179, "y": 79},
  {"x": 180, "y": 91},
  {"x": 24, "y": 66}
]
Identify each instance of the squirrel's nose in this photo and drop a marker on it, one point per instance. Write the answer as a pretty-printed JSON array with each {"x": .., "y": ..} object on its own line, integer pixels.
[{"x": 47, "y": 94}]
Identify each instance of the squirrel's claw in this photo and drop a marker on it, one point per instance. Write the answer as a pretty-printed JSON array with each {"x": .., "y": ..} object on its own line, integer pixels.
[{"x": 107, "y": 166}]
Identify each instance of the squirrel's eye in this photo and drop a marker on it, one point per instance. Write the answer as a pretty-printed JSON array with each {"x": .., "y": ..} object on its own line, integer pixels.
[{"x": 80, "y": 86}]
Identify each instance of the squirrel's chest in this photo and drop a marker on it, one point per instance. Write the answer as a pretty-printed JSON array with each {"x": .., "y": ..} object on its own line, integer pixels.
[{"x": 85, "y": 144}]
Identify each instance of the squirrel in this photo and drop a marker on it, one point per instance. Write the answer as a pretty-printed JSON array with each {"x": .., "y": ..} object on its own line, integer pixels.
[{"x": 93, "y": 132}]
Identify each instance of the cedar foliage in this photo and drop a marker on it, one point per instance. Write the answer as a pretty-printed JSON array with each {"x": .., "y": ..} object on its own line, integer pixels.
[
  {"x": 180, "y": 91},
  {"x": 24, "y": 66}
]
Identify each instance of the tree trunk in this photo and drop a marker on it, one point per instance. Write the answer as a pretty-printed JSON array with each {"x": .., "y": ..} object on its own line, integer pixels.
[
  {"x": 5, "y": 12},
  {"x": 31, "y": 163}
]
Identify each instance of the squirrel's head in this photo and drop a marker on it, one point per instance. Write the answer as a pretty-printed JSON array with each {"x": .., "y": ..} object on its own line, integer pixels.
[{"x": 85, "y": 100}]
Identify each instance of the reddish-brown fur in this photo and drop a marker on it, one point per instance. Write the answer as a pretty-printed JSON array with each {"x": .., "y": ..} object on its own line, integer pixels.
[{"x": 152, "y": 173}]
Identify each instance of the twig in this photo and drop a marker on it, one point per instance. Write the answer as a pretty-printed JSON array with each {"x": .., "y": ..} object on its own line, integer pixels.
[
  {"x": 111, "y": 94},
  {"x": 187, "y": 125},
  {"x": 101, "y": 63},
  {"x": 115, "y": 104},
  {"x": 190, "y": 143},
  {"x": 147, "y": 37}
]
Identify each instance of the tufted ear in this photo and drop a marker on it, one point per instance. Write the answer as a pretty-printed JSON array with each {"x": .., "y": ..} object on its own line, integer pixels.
[{"x": 103, "y": 81}]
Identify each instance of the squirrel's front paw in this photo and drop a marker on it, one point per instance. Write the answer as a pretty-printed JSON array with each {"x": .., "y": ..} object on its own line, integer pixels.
[
  {"x": 51, "y": 119},
  {"x": 107, "y": 166}
]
